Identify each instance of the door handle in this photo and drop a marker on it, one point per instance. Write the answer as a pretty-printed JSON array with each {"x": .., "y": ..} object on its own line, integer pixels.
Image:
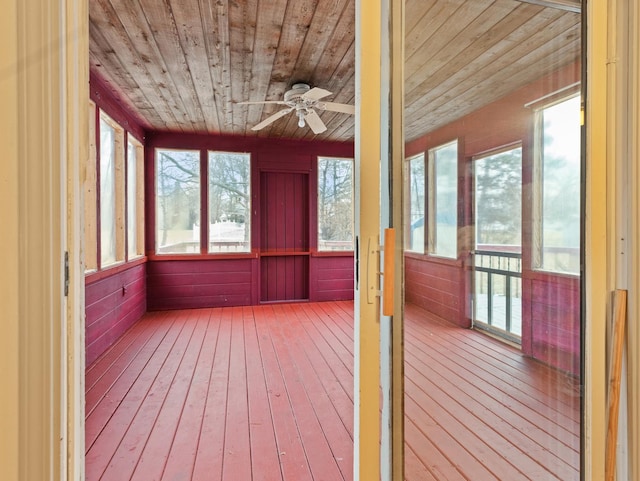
[
  {"x": 388, "y": 273},
  {"x": 373, "y": 249}
]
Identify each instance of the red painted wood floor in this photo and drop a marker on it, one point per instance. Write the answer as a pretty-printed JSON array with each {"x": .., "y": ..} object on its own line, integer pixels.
[{"x": 266, "y": 393}]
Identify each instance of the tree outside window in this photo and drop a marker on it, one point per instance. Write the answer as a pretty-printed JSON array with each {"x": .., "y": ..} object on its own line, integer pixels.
[
  {"x": 498, "y": 199},
  {"x": 229, "y": 202},
  {"x": 177, "y": 201},
  {"x": 335, "y": 204}
]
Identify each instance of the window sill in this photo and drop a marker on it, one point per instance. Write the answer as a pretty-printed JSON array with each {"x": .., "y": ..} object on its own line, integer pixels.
[
  {"x": 111, "y": 270},
  {"x": 447, "y": 261},
  {"x": 332, "y": 253},
  {"x": 202, "y": 257}
]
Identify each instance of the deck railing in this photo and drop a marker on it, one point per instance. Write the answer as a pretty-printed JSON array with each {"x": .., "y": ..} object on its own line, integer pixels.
[{"x": 498, "y": 270}]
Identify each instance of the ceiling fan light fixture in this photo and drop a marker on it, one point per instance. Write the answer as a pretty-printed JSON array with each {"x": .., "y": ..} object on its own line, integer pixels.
[{"x": 300, "y": 119}]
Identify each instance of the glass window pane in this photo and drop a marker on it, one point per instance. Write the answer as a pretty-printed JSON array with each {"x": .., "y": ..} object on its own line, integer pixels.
[
  {"x": 132, "y": 198},
  {"x": 229, "y": 202},
  {"x": 107, "y": 194},
  {"x": 445, "y": 201},
  {"x": 498, "y": 201},
  {"x": 561, "y": 187},
  {"x": 335, "y": 204},
  {"x": 177, "y": 202},
  {"x": 415, "y": 191},
  {"x": 492, "y": 75}
]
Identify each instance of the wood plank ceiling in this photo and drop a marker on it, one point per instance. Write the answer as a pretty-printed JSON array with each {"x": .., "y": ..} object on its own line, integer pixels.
[{"x": 183, "y": 65}]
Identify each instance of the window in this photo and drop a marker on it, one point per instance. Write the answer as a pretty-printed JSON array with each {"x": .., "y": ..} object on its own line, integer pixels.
[
  {"x": 111, "y": 192},
  {"x": 498, "y": 200},
  {"x": 335, "y": 204},
  {"x": 135, "y": 196},
  {"x": 443, "y": 200},
  {"x": 415, "y": 178},
  {"x": 177, "y": 201},
  {"x": 229, "y": 202},
  {"x": 557, "y": 188}
]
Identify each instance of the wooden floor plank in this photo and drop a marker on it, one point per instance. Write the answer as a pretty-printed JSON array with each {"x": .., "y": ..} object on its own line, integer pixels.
[
  {"x": 210, "y": 451},
  {"x": 317, "y": 450},
  {"x": 498, "y": 385},
  {"x": 122, "y": 346},
  {"x": 265, "y": 393},
  {"x": 182, "y": 456},
  {"x": 153, "y": 458},
  {"x": 126, "y": 457},
  {"x": 414, "y": 468},
  {"x": 339, "y": 437},
  {"x": 116, "y": 413},
  {"x": 236, "y": 463},
  {"x": 457, "y": 378},
  {"x": 338, "y": 384},
  {"x": 265, "y": 466},
  {"x": 105, "y": 372},
  {"x": 293, "y": 461}
]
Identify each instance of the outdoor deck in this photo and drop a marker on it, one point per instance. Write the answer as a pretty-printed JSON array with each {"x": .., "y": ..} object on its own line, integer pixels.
[{"x": 266, "y": 393}]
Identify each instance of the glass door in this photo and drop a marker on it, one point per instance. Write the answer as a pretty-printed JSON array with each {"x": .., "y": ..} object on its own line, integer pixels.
[
  {"x": 497, "y": 258},
  {"x": 492, "y": 229}
]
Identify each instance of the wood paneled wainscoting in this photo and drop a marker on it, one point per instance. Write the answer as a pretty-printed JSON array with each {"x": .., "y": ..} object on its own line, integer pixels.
[{"x": 266, "y": 393}]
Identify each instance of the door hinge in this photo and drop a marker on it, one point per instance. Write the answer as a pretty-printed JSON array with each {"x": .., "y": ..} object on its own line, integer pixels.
[{"x": 66, "y": 274}]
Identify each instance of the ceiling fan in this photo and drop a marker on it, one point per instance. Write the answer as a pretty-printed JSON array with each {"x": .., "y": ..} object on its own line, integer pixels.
[{"x": 303, "y": 100}]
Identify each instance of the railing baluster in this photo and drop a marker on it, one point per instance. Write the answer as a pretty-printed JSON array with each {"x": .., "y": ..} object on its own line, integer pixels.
[
  {"x": 490, "y": 298},
  {"x": 508, "y": 301}
]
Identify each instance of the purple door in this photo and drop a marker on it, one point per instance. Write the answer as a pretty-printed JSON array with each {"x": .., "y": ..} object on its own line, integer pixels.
[{"x": 284, "y": 236}]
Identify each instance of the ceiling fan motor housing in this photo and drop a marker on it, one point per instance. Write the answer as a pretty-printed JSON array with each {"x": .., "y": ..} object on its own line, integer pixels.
[{"x": 297, "y": 90}]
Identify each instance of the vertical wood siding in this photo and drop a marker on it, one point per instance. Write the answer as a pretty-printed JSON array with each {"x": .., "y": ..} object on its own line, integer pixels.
[
  {"x": 284, "y": 212},
  {"x": 113, "y": 304},
  {"x": 285, "y": 229}
]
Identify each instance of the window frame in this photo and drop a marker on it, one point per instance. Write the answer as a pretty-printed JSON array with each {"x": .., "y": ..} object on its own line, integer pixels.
[
  {"x": 205, "y": 185},
  {"x": 119, "y": 191},
  {"x": 201, "y": 214},
  {"x": 492, "y": 153},
  {"x": 408, "y": 202},
  {"x": 431, "y": 196},
  {"x": 319, "y": 241},
  {"x": 138, "y": 224},
  {"x": 537, "y": 250}
]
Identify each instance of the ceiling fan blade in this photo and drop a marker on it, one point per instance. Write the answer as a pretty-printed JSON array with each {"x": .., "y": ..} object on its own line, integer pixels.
[
  {"x": 335, "y": 107},
  {"x": 271, "y": 119},
  {"x": 278, "y": 102},
  {"x": 315, "y": 122},
  {"x": 316, "y": 93}
]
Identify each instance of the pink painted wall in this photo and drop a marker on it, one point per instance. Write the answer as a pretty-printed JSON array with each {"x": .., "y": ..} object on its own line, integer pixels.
[
  {"x": 284, "y": 263},
  {"x": 116, "y": 297},
  {"x": 114, "y": 303}
]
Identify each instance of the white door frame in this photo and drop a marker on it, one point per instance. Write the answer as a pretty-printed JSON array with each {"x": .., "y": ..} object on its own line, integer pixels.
[{"x": 44, "y": 91}]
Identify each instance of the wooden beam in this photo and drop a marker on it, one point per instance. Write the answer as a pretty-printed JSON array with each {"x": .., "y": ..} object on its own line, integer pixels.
[{"x": 615, "y": 376}]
